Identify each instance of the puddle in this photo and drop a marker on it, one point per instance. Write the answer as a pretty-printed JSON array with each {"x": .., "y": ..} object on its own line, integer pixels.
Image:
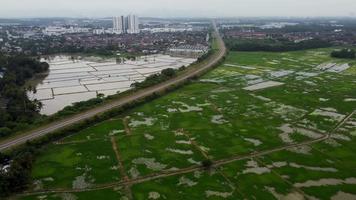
[
  {"x": 153, "y": 195},
  {"x": 67, "y": 196},
  {"x": 172, "y": 110},
  {"x": 326, "y": 182},
  {"x": 290, "y": 196},
  {"x": 184, "y": 152},
  {"x": 302, "y": 150},
  {"x": 325, "y": 66},
  {"x": 339, "y": 68},
  {"x": 255, "y": 142},
  {"x": 323, "y": 169},
  {"x": 102, "y": 157},
  {"x": 187, "y": 108},
  {"x": 332, "y": 143},
  {"x": 323, "y": 99},
  {"x": 186, "y": 182},
  {"x": 349, "y": 100},
  {"x": 149, "y": 137},
  {"x": 192, "y": 161},
  {"x": 285, "y": 136},
  {"x": 262, "y": 98},
  {"x": 255, "y": 169},
  {"x": 147, "y": 122},
  {"x": 115, "y": 132},
  {"x": 263, "y": 85},
  {"x": 308, "y": 133},
  {"x": 150, "y": 163},
  {"x": 183, "y": 142},
  {"x": 329, "y": 113},
  {"x": 343, "y": 196},
  {"x": 242, "y": 67},
  {"x": 80, "y": 182},
  {"x": 218, "y": 119},
  {"x": 134, "y": 173},
  {"x": 340, "y": 137},
  {"x": 210, "y": 193},
  {"x": 281, "y": 73}
]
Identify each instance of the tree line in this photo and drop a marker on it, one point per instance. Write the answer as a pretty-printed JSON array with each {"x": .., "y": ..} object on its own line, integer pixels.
[
  {"x": 274, "y": 46},
  {"x": 17, "y": 176},
  {"x": 344, "y": 53},
  {"x": 17, "y": 110}
]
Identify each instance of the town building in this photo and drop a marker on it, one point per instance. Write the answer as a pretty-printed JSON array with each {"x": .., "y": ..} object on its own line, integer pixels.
[
  {"x": 119, "y": 25},
  {"x": 99, "y": 31},
  {"x": 129, "y": 24},
  {"x": 58, "y": 30},
  {"x": 133, "y": 24},
  {"x": 188, "y": 51}
]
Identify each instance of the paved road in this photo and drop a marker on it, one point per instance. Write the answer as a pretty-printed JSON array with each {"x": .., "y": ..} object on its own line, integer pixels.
[{"x": 191, "y": 72}]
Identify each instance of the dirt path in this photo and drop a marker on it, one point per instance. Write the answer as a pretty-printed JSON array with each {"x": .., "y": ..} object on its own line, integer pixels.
[
  {"x": 281, "y": 177},
  {"x": 76, "y": 141},
  {"x": 126, "y": 125},
  {"x": 121, "y": 167},
  {"x": 194, "y": 143}
]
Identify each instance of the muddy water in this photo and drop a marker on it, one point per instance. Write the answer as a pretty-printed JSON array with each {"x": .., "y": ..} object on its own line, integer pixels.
[{"x": 72, "y": 79}]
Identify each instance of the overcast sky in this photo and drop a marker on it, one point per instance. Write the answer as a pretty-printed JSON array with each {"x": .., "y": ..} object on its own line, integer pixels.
[{"x": 176, "y": 8}]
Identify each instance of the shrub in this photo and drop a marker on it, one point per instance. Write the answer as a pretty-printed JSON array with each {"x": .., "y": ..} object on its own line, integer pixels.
[
  {"x": 207, "y": 164},
  {"x": 344, "y": 53}
]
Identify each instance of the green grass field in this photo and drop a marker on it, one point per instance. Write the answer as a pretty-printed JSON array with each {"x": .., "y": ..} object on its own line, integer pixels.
[{"x": 231, "y": 117}]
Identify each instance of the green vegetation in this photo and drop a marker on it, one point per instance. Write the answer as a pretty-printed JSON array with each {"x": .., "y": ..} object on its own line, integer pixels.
[
  {"x": 18, "y": 175},
  {"x": 157, "y": 78},
  {"x": 16, "y": 110},
  {"x": 165, "y": 146},
  {"x": 344, "y": 53},
  {"x": 273, "y": 45}
]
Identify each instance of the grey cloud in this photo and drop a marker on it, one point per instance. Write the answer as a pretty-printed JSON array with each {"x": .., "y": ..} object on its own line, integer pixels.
[{"x": 179, "y": 8}]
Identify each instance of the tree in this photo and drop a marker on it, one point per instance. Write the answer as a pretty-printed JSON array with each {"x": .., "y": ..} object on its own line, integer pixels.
[
  {"x": 100, "y": 95},
  {"x": 344, "y": 53},
  {"x": 18, "y": 176},
  {"x": 168, "y": 72},
  {"x": 118, "y": 60},
  {"x": 4, "y": 131},
  {"x": 18, "y": 110},
  {"x": 207, "y": 164}
]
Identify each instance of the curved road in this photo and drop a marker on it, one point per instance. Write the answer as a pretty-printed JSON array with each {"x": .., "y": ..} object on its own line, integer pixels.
[{"x": 54, "y": 126}]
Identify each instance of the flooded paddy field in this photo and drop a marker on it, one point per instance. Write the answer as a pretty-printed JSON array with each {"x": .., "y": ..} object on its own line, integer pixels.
[
  {"x": 73, "y": 80},
  {"x": 293, "y": 140}
]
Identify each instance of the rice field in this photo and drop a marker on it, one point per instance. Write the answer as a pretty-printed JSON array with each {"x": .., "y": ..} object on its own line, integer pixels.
[
  {"x": 72, "y": 80},
  {"x": 275, "y": 125}
]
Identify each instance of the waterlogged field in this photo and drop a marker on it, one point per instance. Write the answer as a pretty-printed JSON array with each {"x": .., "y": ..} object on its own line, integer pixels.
[
  {"x": 72, "y": 80},
  {"x": 275, "y": 125}
]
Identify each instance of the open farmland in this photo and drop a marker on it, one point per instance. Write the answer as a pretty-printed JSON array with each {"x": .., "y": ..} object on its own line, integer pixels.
[{"x": 275, "y": 125}]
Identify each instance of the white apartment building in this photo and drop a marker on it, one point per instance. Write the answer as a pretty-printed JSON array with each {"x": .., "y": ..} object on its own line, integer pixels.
[
  {"x": 129, "y": 24},
  {"x": 133, "y": 24},
  {"x": 119, "y": 25}
]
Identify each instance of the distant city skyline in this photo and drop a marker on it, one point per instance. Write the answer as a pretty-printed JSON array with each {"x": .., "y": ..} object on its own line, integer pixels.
[
  {"x": 126, "y": 24},
  {"x": 177, "y": 8}
]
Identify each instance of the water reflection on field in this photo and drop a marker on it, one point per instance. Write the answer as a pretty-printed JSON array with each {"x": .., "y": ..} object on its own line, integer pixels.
[{"x": 73, "y": 80}]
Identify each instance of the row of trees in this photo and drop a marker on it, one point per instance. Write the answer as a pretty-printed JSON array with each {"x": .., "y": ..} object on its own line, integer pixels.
[
  {"x": 17, "y": 110},
  {"x": 274, "y": 46},
  {"x": 344, "y": 53},
  {"x": 156, "y": 78}
]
